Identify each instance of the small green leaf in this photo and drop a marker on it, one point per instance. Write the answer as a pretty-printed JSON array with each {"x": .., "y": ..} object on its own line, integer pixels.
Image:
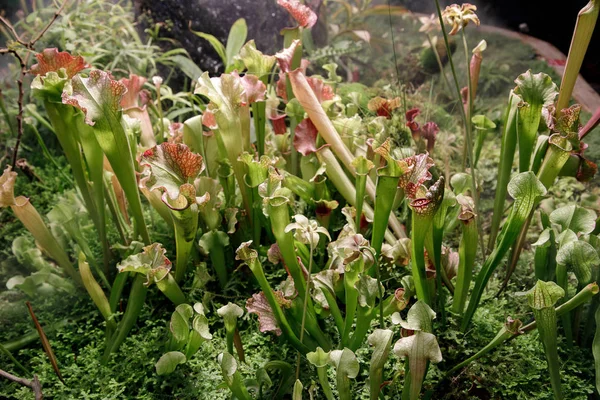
[
  {"x": 168, "y": 362},
  {"x": 213, "y": 240},
  {"x": 544, "y": 238},
  {"x": 200, "y": 325},
  {"x": 482, "y": 122},
  {"x": 235, "y": 40},
  {"x": 187, "y": 66},
  {"x": 461, "y": 182},
  {"x": 526, "y": 187},
  {"x": 215, "y": 43}
]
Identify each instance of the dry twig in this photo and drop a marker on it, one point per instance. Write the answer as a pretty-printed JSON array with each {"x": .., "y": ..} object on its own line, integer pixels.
[
  {"x": 33, "y": 384},
  {"x": 23, "y": 65}
]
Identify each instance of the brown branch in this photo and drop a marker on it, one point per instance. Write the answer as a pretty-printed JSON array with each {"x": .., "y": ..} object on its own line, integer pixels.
[
  {"x": 34, "y": 384},
  {"x": 19, "y": 104},
  {"x": 43, "y": 31},
  {"x": 12, "y": 30},
  {"x": 29, "y": 45}
]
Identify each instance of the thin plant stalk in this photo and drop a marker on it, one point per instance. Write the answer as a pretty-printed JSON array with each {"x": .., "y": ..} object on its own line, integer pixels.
[
  {"x": 507, "y": 154},
  {"x": 467, "y": 148},
  {"x": 14, "y": 360},
  {"x": 439, "y": 61},
  {"x": 305, "y": 305},
  {"x": 345, "y": 187},
  {"x": 466, "y": 121}
]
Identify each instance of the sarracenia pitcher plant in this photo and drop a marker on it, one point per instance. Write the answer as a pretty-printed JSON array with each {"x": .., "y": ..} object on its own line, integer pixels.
[{"x": 340, "y": 197}]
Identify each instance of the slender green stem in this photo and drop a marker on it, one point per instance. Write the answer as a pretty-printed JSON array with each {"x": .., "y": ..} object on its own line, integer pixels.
[
  {"x": 546, "y": 319},
  {"x": 117, "y": 288},
  {"x": 14, "y": 360},
  {"x": 7, "y": 116},
  {"x": 256, "y": 212},
  {"x": 507, "y": 154},
  {"x": 117, "y": 216},
  {"x": 49, "y": 156},
  {"x": 381, "y": 293},
  {"x": 361, "y": 183},
  {"x": 183, "y": 249},
  {"x": 467, "y": 150},
  {"x": 562, "y": 281},
  {"x": 516, "y": 253},
  {"x": 324, "y": 382},
  {"x": 280, "y": 218},
  {"x": 294, "y": 155},
  {"x": 305, "y": 305},
  {"x": 439, "y": 61},
  {"x": 500, "y": 338},
  {"x": 186, "y": 225},
  {"x": 466, "y": 121},
  {"x": 159, "y": 109},
  {"x": 335, "y": 310}
]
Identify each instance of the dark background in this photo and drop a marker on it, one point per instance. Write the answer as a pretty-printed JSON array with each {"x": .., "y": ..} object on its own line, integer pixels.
[{"x": 551, "y": 21}]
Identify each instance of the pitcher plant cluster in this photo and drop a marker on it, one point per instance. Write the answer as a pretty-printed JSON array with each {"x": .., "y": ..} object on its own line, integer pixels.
[{"x": 278, "y": 172}]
